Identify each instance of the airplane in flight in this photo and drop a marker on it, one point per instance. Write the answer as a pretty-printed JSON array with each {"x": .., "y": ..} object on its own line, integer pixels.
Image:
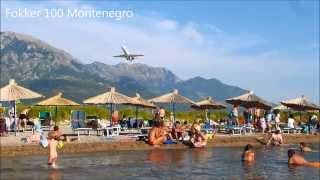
[{"x": 127, "y": 55}]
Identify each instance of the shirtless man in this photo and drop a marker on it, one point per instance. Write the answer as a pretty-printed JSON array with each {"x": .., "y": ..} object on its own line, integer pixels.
[
  {"x": 248, "y": 154},
  {"x": 156, "y": 135},
  {"x": 275, "y": 139},
  {"x": 295, "y": 159},
  {"x": 52, "y": 145},
  {"x": 304, "y": 148}
]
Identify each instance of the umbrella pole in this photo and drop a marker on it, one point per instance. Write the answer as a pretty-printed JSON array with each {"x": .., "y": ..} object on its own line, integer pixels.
[
  {"x": 111, "y": 114},
  {"x": 14, "y": 118},
  {"x": 56, "y": 115},
  {"x": 174, "y": 113},
  {"x": 136, "y": 112},
  {"x": 208, "y": 115}
]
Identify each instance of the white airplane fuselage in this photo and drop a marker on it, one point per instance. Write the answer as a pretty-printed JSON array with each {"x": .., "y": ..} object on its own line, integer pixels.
[{"x": 127, "y": 55}]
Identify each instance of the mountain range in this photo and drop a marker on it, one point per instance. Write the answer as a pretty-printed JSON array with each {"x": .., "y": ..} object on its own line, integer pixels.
[{"x": 41, "y": 67}]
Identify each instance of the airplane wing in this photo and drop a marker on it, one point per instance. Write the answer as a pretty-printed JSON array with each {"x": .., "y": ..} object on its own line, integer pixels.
[
  {"x": 121, "y": 56},
  {"x": 136, "y": 55}
]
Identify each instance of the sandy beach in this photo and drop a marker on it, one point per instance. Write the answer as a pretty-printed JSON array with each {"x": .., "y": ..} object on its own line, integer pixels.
[{"x": 12, "y": 145}]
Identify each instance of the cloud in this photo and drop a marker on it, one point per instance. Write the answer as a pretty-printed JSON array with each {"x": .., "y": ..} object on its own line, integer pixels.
[
  {"x": 191, "y": 33},
  {"x": 167, "y": 25}
]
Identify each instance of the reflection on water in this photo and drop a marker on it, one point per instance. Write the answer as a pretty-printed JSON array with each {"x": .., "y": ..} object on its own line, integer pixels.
[
  {"x": 54, "y": 174},
  {"x": 206, "y": 163}
]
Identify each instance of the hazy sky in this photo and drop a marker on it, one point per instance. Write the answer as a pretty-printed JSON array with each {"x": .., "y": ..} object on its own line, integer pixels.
[{"x": 270, "y": 47}]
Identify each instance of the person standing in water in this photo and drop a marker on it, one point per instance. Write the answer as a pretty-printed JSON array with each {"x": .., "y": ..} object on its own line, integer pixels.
[
  {"x": 248, "y": 153},
  {"x": 275, "y": 139},
  {"x": 52, "y": 145},
  {"x": 304, "y": 148}
]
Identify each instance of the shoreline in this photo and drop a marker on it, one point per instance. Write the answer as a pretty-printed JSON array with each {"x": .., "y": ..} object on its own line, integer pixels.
[{"x": 87, "y": 146}]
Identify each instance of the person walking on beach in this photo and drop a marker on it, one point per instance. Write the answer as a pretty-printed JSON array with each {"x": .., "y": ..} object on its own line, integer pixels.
[
  {"x": 248, "y": 153},
  {"x": 234, "y": 115},
  {"x": 53, "y": 154},
  {"x": 295, "y": 159},
  {"x": 268, "y": 120},
  {"x": 277, "y": 119}
]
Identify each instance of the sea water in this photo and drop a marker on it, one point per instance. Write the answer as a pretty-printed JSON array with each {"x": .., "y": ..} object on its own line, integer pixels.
[{"x": 206, "y": 163}]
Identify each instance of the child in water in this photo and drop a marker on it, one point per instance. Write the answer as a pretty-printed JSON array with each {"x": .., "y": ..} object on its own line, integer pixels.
[
  {"x": 248, "y": 153},
  {"x": 52, "y": 144}
]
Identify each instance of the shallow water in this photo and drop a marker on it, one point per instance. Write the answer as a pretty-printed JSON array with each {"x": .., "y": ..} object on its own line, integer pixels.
[{"x": 209, "y": 163}]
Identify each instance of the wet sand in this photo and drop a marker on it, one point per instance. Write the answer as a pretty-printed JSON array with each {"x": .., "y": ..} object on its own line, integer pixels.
[{"x": 12, "y": 146}]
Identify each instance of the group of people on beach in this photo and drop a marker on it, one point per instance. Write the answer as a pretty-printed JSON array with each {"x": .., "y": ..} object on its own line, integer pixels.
[
  {"x": 263, "y": 120},
  {"x": 168, "y": 133},
  {"x": 162, "y": 134}
]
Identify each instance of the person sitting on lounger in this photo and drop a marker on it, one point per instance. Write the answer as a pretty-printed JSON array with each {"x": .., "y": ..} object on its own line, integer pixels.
[
  {"x": 248, "y": 153},
  {"x": 197, "y": 138},
  {"x": 156, "y": 135},
  {"x": 275, "y": 139},
  {"x": 295, "y": 159},
  {"x": 304, "y": 148}
]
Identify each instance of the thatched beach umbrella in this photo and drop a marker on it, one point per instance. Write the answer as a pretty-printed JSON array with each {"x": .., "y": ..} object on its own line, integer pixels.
[
  {"x": 249, "y": 100},
  {"x": 57, "y": 100},
  {"x": 110, "y": 97},
  {"x": 13, "y": 92},
  {"x": 208, "y": 103},
  {"x": 173, "y": 98},
  {"x": 138, "y": 101},
  {"x": 281, "y": 107},
  {"x": 300, "y": 104}
]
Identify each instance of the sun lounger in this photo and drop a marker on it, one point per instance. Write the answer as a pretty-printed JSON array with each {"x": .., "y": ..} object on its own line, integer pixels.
[
  {"x": 235, "y": 130},
  {"x": 248, "y": 129},
  {"x": 45, "y": 120},
  {"x": 109, "y": 131},
  {"x": 288, "y": 130},
  {"x": 78, "y": 123}
]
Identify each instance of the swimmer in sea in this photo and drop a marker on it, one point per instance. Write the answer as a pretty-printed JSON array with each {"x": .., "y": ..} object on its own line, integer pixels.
[
  {"x": 52, "y": 145},
  {"x": 295, "y": 159},
  {"x": 304, "y": 148},
  {"x": 248, "y": 153}
]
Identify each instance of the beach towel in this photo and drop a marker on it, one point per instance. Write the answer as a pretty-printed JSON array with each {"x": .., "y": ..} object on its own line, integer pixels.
[{"x": 43, "y": 141}]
